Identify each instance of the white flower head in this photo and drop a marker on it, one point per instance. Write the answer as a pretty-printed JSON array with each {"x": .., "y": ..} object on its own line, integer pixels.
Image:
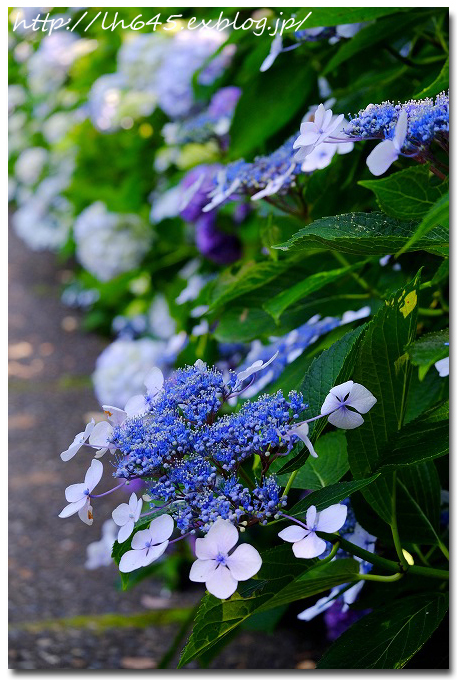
[
  {"x": 78, "y": 495},
  {"x": 345, "y": 403},
  {"x": 254, "y": 368},
  {"x": 313, "y": 133},
  {"x": 387, "y": 152},
  {"x": 125, "y": 516},
  {"x": 306, "y": 543},
  {"x": 216, "y": 568},
  {"x": 78, "y": 442},
  {"x": 100, "y": 438},
  {"x": 148, "y": 545}
]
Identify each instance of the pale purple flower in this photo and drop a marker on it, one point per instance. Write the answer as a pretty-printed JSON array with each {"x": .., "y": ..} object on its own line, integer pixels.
[
  {"x": 138, "y": 404},
  {"x": 254, "y": 368},
  {"x": 148, "y": 545},
  {"x": 345, "y": 403},
  {"x": 387, "y": 152},
  {"x": 78, "y": 495},
  {"x": 216, "y": 568},
  {"x": 125, "y": 516},
  {"x": 275, "y": 50},
  {"x": 306, "y": 543},
  {"x": 313, "y": 133},
  {"x": 442, "y": 366},
  {"x": 78, "y": 442}
]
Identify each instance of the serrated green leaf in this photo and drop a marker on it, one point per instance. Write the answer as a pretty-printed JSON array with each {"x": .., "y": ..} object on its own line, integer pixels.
[
  {"x": 329, "y": 495},
  {"x": 407, "y": 194},
  {"x": 331, "y": 465},
  {"x": 429, "y": 349},
  {"x": 437, "y": 215},
  {"x": 365, "y": 234},
  {"x": 390, "y": 636}
]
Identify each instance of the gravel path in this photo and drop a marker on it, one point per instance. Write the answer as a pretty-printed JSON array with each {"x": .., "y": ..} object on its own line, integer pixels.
[{"x": 50, "y": 361}]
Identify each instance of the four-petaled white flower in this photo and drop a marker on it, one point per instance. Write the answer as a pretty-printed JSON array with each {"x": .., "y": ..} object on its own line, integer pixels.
[
  {"x": 78, "y": 495},
  {"x": 138, "y": 404},
  {"x": 313, "y": 133},
  {"x": 125, "y": 516},
  {"x": 78, "y": 441},
  {"x": 385, "y": 153},
  {"x": 148, "y": 545},
  {"x": 345, "y": 403},
  {"x": 254, "y": 368},
  {"x": 216, "y": 568},
  {"x": 302, "y": 431},
  {"x": 306, "y": 543}
]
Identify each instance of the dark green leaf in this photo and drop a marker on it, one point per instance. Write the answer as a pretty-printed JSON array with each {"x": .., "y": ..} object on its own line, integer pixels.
[
  {"x": 332, "y": 16},
  {"x": 429, "y": 349},
  {"x": 437, "y": 215},
  {"x": 330, "y": 495},
  {"x": 439, "y": 84},
  {"x": 331, "y": 465}
]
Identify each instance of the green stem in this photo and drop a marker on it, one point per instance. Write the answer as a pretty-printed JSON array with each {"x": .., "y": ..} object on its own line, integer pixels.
[
  {"x": 423, "y": 311},
  {"x": 429, "y": 572},
  {"x": 382, "y": 579},
  {"x": 394, "y": 526},
  {"x": 331, "y": 554},
  {"x": 290, "y": 481},
  {"x": 444, "y": 550},
  {"x": 360, "y": 280},
  {"x": 381, "y": 562},
  {"x": 421, "y": 555}
]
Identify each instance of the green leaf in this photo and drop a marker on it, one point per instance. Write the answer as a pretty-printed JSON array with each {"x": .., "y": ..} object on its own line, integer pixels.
[
  {"x": 286, "y": 298},
  {"x": 429, "y": 349},
  {"x": 407, "y": 194},
  {"x": 383, "y": 367},
  {"x": 282, "y": 579},
  {"x": 331, "y": 465},
  {"x": 390, "y": 636},
  {"x": 332, "y": 16},
  {"x": 437, "y": 215},
  {"x": 421, "y": 440},
  {"x": 330, "y": 495},
  {"x": 364, "y": 234},
  {"x": 439, "y": 84},
  {"x": 418, "y": 503}
]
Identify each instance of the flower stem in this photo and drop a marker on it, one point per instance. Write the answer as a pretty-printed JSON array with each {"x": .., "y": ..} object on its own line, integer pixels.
[
  {"x": 290, "y": 481},
  {"x": 382, "y": 579},
  {"x": 361, "y": 281},
  {"x": 100, "y": 495},
  {"x": 394, "y": 526},
  {"x": 443, "y": 549}
]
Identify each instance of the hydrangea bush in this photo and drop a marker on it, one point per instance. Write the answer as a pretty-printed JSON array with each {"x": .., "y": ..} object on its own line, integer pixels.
[{"x": 259, "y": 224}]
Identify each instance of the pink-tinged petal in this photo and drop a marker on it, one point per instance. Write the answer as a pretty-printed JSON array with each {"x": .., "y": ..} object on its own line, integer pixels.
[
  {"x": 244, "y": 562},
  {"x": 293, "y": 533},
  {"x": 131, "y": 560},
  {"x": 85, "y": 513},
  {"x": 72, "y": 508},
  {"x": 154, "y": 553},
  {"x": 201, "y": 570},
  {"x": 205, "y": 550},
  {"x": 318, "y": 116},
  {"x": 154, "y": 380},
  {"x": 345, "y": 419},
  {"x": 115, "y": 415},
  {"x": 125, "y": 531},
  {"x": 330, "y": 404},
  {"x": 332, "y": 518},
  {"x": 401, "y": 129},
  {"x": 140, "y": 539},
  {"x": 121, "y": 514},
  {"x": 222, "y": 535},
  {"x": 221, "y": 583},
  {"x": 161, "y": 528},
  {"x": 136, "y": 406},
  {"x": 93, "y": 475},
  {"x": 310, "y": 546},
  {"x": 361, "y": 399},
  {"x": 311, "y": 514},
  {"x": 75, "y": 492},
  {"x": 382, "y": 157},
  {"x": 100, "y": 434}
]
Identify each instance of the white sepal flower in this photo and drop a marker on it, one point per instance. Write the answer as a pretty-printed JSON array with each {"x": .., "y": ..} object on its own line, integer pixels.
[
  {"x": 313, "y": 133},
  {"x": 78, "y": 441},
  {"x": 302, "y": 431},
  {"x": 100, "y": 438},
  {"x": 442, "y": 366},
  {"x": 387, "y": 152},
  {"x": 125, "y": 516},
  {"x": 216, "y": 568},
  {"x": 138, "y": 404},
  {"x": 306, "y": 543},
  {"x": 254, "y": 368},
  {"x": 78, "y": 495},
  {"x": 116, "y": 416},
  {"x": 345, "y": 403},
  {"x": 148, "y": 545}
]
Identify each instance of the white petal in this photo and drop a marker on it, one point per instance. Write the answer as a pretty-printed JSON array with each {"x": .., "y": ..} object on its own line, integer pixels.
[
  {"x": 303, "y": 152},
  {"x": 442, "y": 366},
  {"x": 401, "y": 129},
  {"x": 140, "y": 539},
  {"x": 360, "y": 398},
  {"x": 136, "y": 406},
  {"x": 334, "y": 124},
  {"x": 244, "y": 562},
  {"x": 341, "y": 391},
  {"x": 319, "y": 116},
  {"x": 221, "y": 583},
  {"x": 100, "y": 434},
  {"x": 223, "y": 535},
  {"x": 75, "y": 492},
  {"x": 85, "y": 513},
  {"x": 346, "y": 419},
  {"x": 155, "y": 552},
  {"x": 311, "y": 514},
  {"x": 331, "y": 403},
  {"x": 310, "y": 546},
  {"x": 116, "y": 416},
  {"x": 138, "y": 510},
  {"x": 133, "y": 502},
  {"x": 268, "y": 62},
  {"x": 205, "y": 550},
  {"x": 93, "y": 474},
  {"x": 382, "y": 157},
  {"x": 332, "y": 518},
  {"x": 302, "y": 432},
  {"x": 320, "y": 606},
  {"x": 309, "y": 135},
  {"x": 131, "y": 560},
  {"x": 121, "y": 514},
  {"x": 125, "y": 531},
  {"x": 161, "y": 528},
  {"x": 350, "y": 596},
  {"x": 201, "y": 570},
  {"x": 293, "y": 533},
  {"x": 154, "y": 380},
  {"x": 72, "y": 508}
]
